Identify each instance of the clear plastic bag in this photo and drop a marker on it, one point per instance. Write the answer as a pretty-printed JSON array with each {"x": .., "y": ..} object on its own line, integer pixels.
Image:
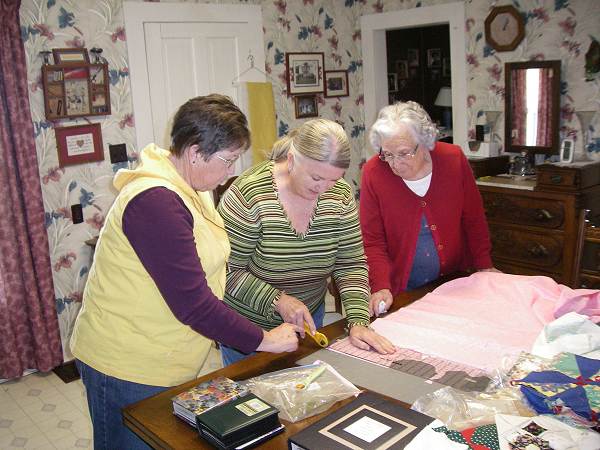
[
  {"x": 301, "y": 392},
  {"x": 461, "y": 410}
]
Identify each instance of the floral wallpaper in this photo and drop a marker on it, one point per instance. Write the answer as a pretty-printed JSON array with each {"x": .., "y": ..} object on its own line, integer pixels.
[{"x": 555, "y": 29}]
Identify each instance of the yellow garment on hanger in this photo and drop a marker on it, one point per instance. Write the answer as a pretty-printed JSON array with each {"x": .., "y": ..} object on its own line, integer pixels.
[{"x": 261, "y": 116}]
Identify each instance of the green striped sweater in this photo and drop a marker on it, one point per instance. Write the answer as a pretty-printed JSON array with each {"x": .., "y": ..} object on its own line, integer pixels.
[{"x": 268, "y": 256}]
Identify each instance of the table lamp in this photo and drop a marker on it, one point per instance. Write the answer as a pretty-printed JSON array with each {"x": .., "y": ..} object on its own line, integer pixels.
[{"x": 444, "y": 99}]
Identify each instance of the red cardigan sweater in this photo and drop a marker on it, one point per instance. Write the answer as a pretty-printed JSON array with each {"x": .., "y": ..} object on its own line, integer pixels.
[{"x": 390, "y": 215}]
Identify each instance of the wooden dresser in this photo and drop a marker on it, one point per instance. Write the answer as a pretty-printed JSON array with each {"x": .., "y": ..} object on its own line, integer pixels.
[{"x": 538, "y": 227}]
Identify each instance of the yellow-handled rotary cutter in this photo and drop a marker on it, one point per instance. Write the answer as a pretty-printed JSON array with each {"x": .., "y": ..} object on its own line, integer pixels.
[{"x": 319, "y": 338}]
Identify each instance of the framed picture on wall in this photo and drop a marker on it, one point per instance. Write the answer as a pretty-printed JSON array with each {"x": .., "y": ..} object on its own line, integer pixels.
[
  {"x": 79, "y": 144},
  {"x": 392, "y": 82},
  {"x": 446, "y": 67},
  {"x": 304, "y": 72},
  {"x": 434, "y": 58},
  {"x": 70, "y": 55},
  {"x": 336, "y": 83},
  {"x": 413, "y": 57},
  {"x": 402, "y": 69},
  {"x": 306, "y": 106}
]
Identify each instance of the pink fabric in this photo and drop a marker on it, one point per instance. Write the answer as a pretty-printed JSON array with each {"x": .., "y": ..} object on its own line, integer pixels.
[
  {"x": 29, "y": 333},
  {"x": 482, "y": 318}
]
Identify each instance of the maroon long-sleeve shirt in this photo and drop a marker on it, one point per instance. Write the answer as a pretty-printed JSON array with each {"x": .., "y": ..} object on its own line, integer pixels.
[{"x": 160, "y": 229}]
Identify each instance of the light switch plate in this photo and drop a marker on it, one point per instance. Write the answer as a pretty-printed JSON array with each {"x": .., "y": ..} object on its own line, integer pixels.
[
  {"x": 77, "y": 213},
  {"x": 118, "y": 153}
]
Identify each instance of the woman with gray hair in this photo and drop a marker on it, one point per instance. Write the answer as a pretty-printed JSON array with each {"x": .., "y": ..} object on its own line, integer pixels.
[
  {"x": 420, "y": 211},
  {"x": 293, "y": 222}
]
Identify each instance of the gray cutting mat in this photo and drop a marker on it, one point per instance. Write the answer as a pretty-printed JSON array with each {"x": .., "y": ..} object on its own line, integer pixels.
[{"x": 393, "y": 383}]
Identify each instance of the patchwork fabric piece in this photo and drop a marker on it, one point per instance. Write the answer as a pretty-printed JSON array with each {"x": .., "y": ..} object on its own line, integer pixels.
[
  {"x": 573, "y": 381},
  {"x": 534, "y": 428},
  {"x": 542, "y": 432},
  {"x": 484, "y": 437},
  {"x": 529, "y": 442}
]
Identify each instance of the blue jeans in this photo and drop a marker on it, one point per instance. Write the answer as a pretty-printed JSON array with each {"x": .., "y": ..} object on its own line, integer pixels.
[
  {"x": 230, "y": 355},
  {"x": 106, "y": 396}
]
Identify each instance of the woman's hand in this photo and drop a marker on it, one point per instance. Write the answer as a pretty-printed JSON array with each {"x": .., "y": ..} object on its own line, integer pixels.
[
  {"x": 295, "y": 312},
  {"x": 280, "y": 339},
  {"x": 383, "y": 295},
  {"x": 365, "y": 338}
]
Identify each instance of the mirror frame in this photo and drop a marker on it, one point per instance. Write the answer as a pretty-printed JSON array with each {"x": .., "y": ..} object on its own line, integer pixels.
[{"x": 554, "y": 120}]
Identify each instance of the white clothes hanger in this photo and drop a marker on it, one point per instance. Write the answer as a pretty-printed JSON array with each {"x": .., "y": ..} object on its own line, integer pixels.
[{"x": 250, "y": 60}]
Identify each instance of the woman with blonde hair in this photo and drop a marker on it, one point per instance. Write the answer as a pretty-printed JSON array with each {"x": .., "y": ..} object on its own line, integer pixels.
[{"x": 293, "y": 222}]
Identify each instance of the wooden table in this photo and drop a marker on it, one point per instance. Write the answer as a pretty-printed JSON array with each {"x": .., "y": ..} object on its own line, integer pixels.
[{"x": 152, "y": 419}]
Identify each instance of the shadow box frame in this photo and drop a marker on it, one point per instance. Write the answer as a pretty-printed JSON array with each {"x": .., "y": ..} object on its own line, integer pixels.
[{"x": 76, "y": 90}]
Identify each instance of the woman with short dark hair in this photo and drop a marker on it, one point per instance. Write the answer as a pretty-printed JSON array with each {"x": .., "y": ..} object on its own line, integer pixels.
[{"x": 152, "y": 302}]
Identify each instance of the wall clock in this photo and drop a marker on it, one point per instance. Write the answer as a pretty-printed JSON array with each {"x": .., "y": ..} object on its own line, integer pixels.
[{"x": 504, "y": 28}]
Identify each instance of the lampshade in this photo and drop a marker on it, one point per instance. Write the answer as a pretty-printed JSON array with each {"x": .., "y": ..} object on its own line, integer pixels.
[{"x": 444, "y": 97}]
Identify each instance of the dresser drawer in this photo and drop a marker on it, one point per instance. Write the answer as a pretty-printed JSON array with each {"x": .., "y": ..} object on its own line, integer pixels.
[
  {"x": 527, "y": 248},
  {"x": 589, "y": 281},
  {"x": 517, "y": 210},
  {"x": 590, "y": 260},
  {"x": 558, "y": 178}
]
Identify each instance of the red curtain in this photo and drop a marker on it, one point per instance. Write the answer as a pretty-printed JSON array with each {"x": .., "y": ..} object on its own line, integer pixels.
[
  {"x": 519, "y": 107},
  {"x": 544, "y": 134},
  {"x": 29, "y": 333}
]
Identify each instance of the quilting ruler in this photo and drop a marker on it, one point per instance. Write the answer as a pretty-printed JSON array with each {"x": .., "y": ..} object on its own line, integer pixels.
[{"x": 428, "y": 367}]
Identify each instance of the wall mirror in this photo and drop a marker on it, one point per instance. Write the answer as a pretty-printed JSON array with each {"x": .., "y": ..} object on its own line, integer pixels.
[{"x": 532, "y": 106}]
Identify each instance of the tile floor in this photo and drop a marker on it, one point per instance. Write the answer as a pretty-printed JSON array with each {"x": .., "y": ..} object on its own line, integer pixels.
[{"x": 40, "y": 411}]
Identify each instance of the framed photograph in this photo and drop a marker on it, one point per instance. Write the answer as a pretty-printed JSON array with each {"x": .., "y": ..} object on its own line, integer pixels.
[
  {"x": 79, "y": 144},
  {"x": 392, "y": 82},
  {"x": 413, "y": 57},
  {"x": 306, "y": 106},
  {"x": 434, "y": 57},
  {"x": 336, "y": 83},
  {"x": 446, "y": 67},
  {"x": 70, "y": 55},
  {"x": 402, "y": 69},
  {"x": 305, "y": 73}
]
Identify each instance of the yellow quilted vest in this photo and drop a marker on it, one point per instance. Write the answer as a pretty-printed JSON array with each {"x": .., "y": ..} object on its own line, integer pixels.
[{"x": 125, "y": 328}]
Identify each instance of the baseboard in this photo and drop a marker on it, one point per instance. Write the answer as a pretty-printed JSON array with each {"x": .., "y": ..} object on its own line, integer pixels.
[{"x": 67, "y": 372}]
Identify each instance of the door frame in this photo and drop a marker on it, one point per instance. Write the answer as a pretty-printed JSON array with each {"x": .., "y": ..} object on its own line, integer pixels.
[
  {"x": 137, "y": 14},
  {"x": 373, "y": 28}
]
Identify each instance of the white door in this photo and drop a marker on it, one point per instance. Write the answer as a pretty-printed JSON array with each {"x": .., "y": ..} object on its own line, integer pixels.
[{"x": 179, "y": 51}]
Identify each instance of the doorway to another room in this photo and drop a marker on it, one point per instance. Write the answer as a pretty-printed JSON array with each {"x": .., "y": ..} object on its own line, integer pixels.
[{"x": 374, "y": 29}]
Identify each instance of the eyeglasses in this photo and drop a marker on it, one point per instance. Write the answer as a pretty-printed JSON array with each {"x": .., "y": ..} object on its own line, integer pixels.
[
  {"x": 228, "y": 162},
  {"x": 390, "y": 157}
]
